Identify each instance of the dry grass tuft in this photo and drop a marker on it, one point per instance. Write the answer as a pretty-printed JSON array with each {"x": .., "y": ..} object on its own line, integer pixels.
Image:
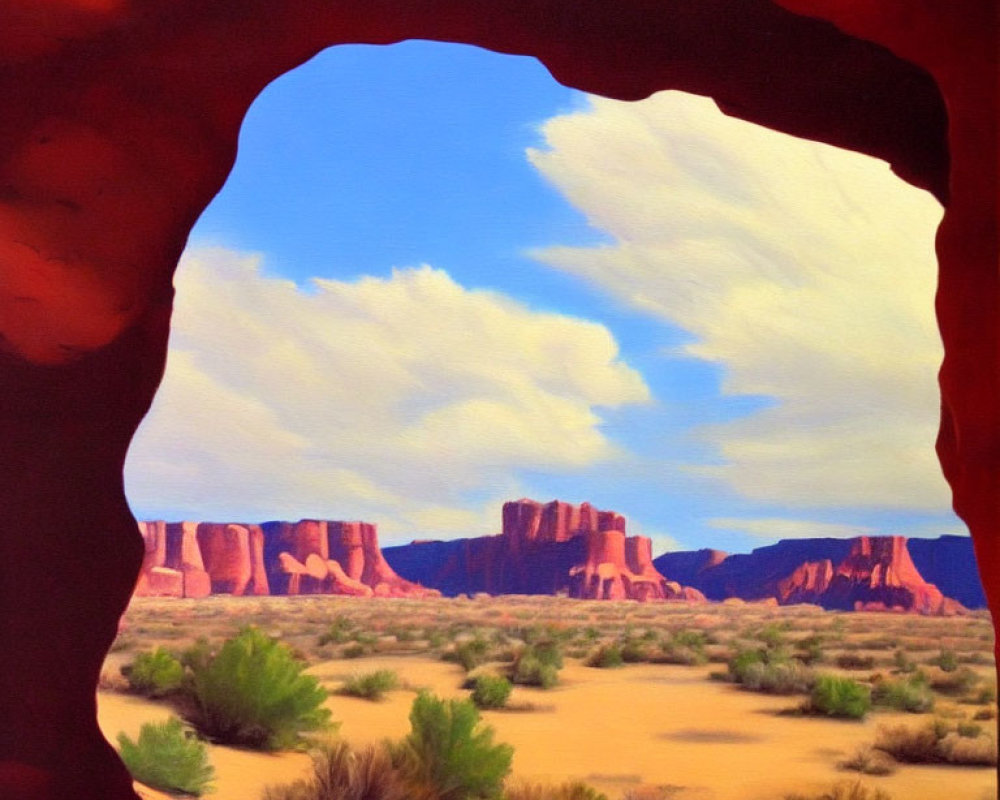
[
  {"x": 937, "y": 744},
  {"x": 869, "y": 761},
  {"x": 340, "y": 773},
  {"x": 572, "y": 790},
  {"x": 846, "y": 790}
]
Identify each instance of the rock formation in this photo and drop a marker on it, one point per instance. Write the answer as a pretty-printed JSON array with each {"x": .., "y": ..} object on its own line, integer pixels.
[
  {"x": 551, "y": 548},
  {"x": 750, "y": 576},
  {"x": 688, "y": 566},
  {"x": 194, "y": 559},
  {"x": 864, "y": 573},
  {"x": 120, "y": 123},
  {"x": 879, "y": 574},
  {"x": 173, "y": 564}
]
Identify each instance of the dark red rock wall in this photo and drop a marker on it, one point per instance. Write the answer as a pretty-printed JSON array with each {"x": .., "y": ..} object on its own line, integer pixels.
[{"x": 120, "y": 122}]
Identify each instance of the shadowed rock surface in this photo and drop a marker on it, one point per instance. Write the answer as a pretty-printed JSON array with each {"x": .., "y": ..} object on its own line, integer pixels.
[
  {"x": 867, "y": 572},
  {"x": 949, "y": 562}
]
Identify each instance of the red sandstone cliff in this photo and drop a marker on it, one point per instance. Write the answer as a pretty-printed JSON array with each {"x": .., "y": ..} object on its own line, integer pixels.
[
  {"x": 865, "y": 573},
  {"x": 550, "y": 548},
  {"x": 190, "y": 559},
  {"x": 879, "y": 574},
  {"x": 173, "y": 564},
  {"x": 616, "y": 566}
]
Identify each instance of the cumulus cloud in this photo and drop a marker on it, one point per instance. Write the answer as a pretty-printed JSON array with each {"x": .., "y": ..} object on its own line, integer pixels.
[
  {"x": 806, "y": 272},
  {"x": 409, "y": 400},
  {"x": 775, "y": 528}
]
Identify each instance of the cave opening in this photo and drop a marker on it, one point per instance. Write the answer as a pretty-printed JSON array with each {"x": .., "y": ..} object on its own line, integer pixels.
[
  {"x": 146, "y": 115},
  {"x": 239, "y": 370}
]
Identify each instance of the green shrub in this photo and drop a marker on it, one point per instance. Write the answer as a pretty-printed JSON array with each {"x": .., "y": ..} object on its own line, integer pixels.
[
  {"x": 673, "y": 653},
  {"x": 197, "y": 655},
  {"x": 339, "y": 773},
  {"x": 354, "y": 651},
  {"x": 491, "y": 691},
  {"x": 528, "y": 670},
  {"x": 683, "y": 647},
  {"x": 573, "y": 790},
  {"x": 686, "y": 638},
  {"x": 537, "y": 665},
  {"x": 253, "y": 693},
  {"x": 449, "y": 749},
  {"x": 403, "y": 634},
  {"x": 839, "y": 697},
  {"x": 338, "y": 632},
  {"x": 784, "y": 677},
  {"x": 946, "y": 660},
  {"x": 769, "y": 670},
  {"x": 168, "y": 757},
  {"x": 912, "y": 694},
  {"x": 771, "y": 635},
  {"x": 469, "y": 654},
  {"x": 547, "y": 652},
  {"x": 742, "y": 661},
  {"x": 809, "y": 650},
  {"x": 155, "y": 673},
  {"x": 607, "y": 656},
  {"x": 634, "y": 651},
  {"x": 902, "y": 663},
  {"x": 371, "y": 685}
]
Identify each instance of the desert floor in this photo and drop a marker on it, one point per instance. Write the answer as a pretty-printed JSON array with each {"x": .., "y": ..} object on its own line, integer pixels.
[{"x": 643, "y": 724}]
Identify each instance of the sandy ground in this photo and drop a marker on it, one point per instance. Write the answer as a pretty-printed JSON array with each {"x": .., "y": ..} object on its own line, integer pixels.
[
  {"x": 240, "y": 774},
  {"x": 615, "y": 729}
]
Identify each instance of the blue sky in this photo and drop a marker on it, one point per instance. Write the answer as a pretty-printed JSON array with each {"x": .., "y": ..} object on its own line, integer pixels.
[{"x": 436, "y": 279}]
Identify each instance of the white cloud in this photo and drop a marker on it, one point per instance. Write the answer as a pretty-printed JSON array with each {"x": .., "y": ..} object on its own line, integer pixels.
[
  {"x": 775, "y": 528},
  {"x": 805, "y": 271},
  {"x": 385, "y": 399}
]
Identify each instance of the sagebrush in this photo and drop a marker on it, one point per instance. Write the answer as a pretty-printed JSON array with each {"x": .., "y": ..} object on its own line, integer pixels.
[
  {"x": 839, "y": 697},
  {"x": 154, "y": 673},
  {"x": 167, "y": 756},
  {"x": 371, "y": 685},
  {"x": 253, "y": 693},
  {"x": 452, "y": 751}
]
